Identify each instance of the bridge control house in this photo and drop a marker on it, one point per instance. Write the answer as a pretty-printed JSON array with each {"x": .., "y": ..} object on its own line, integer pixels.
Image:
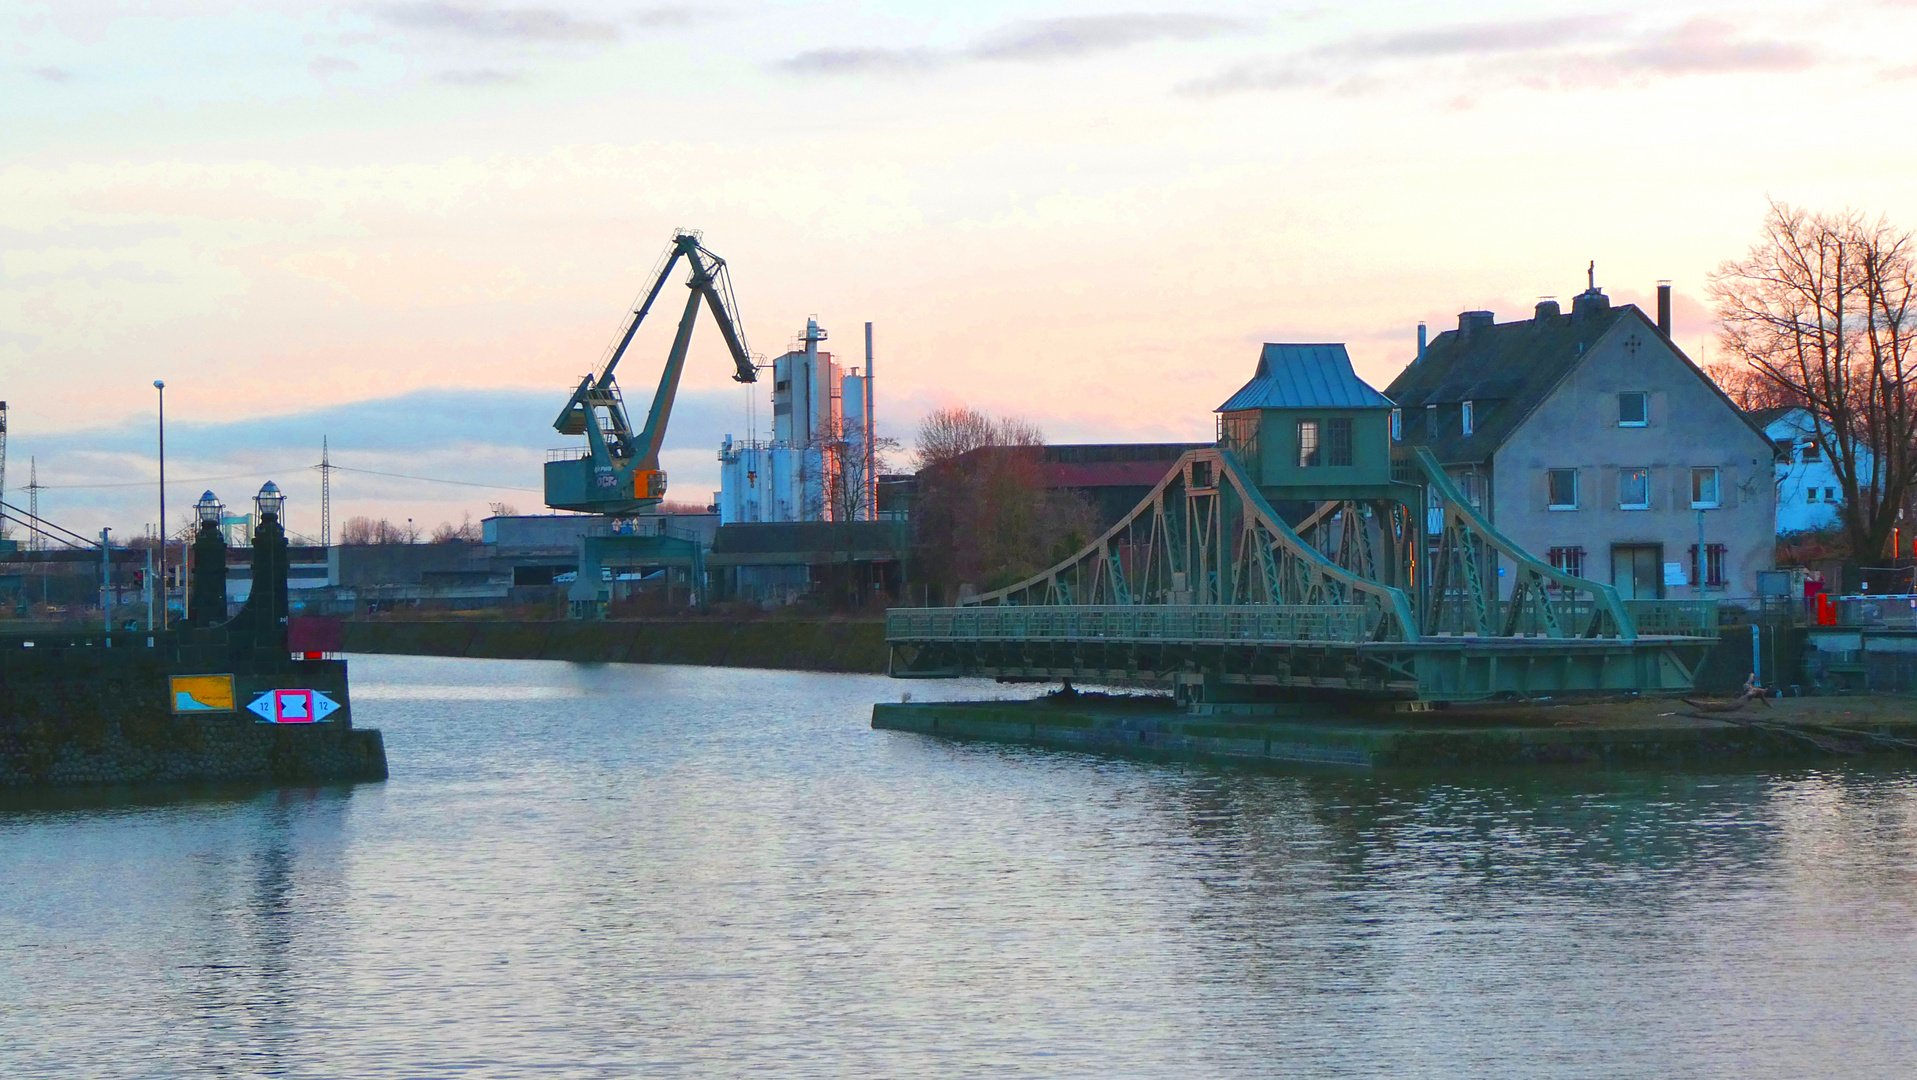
[{"x": 1590, "y": 438}]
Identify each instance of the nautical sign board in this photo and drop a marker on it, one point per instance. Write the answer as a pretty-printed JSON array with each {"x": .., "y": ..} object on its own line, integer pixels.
[
  {"x": 293, "y": 707},
  {"x": 202, "y": 693}
]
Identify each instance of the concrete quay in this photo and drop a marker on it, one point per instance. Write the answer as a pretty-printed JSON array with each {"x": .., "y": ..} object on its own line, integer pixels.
[{"x": 1630, "y": 733}]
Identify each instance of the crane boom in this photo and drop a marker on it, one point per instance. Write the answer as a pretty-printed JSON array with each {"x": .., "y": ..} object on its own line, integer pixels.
[{"x": 619, "y": 473}]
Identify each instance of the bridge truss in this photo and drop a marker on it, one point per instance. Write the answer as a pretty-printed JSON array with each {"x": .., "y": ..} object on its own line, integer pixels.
[{"x": 1207, "y": 588}]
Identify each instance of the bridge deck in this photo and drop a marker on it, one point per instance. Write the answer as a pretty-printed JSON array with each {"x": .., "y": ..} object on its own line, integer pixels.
[{"x": 1279, "y": 647}]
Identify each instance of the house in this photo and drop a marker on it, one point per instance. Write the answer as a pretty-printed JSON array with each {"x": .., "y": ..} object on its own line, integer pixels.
[
  {"x": 1809, "y": 494},
  {"x": 1590, "y": 439}
]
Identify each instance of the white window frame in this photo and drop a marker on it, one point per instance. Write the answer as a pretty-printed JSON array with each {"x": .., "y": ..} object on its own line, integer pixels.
[
  {"x": 1645, "y": 397},
  {"x": 1646, "y": 504},
  {"x": 1717, "y": 488},
  {"x": 1397, "y": 425},
  {"x": 1466, "y": 417},
  {"x": 1573, "y": 504}
]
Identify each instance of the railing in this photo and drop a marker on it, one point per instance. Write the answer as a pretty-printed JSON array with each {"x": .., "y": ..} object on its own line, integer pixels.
[
  {"x": 1662, "y": 618},
  {"x": 1341, "y": 623},
  {"x": 568, "y": 453},
  {"x": 1674, "y": 618},
  {"x": 1890, "y": 610}
]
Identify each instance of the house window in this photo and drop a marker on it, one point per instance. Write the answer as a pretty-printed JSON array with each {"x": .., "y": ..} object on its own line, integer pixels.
[
  {"x": 1430, "y": 422},
  {"x": 1397, "y": 425},
  {"x": 1634, "y": 489},
  {"x": 1338, "y": 441},
  {"x": 1813, "y": 452},
  {"x": 1633, "y": 409},
  {"x": 1713, "y": 565},
  {"x": 1703, "y": 489},
  {"x": 1810, "y": 495},
  {"x": 1830, "y": 494},
  {"x": 1465, "y": 418},
  {"x": 1307, "y": 443},
  {"x": 1568, "y": 559},
  {"x": 1563, "y": 484}
]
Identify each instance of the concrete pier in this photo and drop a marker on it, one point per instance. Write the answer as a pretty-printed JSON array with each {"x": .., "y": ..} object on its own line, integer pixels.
[{"x": 1631, "y": 733}]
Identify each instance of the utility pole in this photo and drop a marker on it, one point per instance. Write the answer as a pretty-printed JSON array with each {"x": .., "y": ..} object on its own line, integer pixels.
[
  {"x": 106, "y": 580},
  {"x": 161, "y": 387},
  {"x": 33, "y": 504}
]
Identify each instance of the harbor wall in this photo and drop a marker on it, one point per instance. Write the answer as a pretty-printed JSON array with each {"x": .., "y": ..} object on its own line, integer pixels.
[
  {"x": 790, "y": 644},
  {"x": 102, "y": 715}
]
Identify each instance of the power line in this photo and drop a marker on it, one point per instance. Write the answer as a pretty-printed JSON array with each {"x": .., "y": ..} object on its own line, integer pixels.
[{"x": 436, "y": 480}]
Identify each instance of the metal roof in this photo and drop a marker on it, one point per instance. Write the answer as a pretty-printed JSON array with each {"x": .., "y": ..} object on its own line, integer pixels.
[{"x": 1305, "y": 377}]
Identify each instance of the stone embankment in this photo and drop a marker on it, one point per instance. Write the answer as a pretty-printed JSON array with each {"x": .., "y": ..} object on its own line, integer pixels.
[
  {"x": 186, "y": 750},
  {"x": 791, "y": 644}
]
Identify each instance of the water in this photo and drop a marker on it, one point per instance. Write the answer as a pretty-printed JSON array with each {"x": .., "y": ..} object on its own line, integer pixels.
[{"x": 622, "y": 871}]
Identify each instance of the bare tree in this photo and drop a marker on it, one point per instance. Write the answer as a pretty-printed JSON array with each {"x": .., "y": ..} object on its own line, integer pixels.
[
  {"x": 986, "y": 516},
  {"x": 1749, "y": 389},
  {"x": 463, "y": 533},
  {"x": 1822, "y": 308},
  {"x": 365, "y": 530}
]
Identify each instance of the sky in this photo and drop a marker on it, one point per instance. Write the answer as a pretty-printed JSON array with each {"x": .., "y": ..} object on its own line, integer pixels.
[{"x": 409, "y": 227}]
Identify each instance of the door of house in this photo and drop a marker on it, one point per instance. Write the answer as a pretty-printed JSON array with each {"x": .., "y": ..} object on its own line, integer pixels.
[{"x": 1637, "y": 570}]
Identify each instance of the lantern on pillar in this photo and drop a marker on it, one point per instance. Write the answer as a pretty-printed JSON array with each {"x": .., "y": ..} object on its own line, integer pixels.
[
  {"x": 209, "y": 509},
  {"x": 269, "y": 501}
]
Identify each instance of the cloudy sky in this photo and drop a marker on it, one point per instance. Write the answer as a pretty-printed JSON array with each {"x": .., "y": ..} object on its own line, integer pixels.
[{"x": 411, "y": 226}]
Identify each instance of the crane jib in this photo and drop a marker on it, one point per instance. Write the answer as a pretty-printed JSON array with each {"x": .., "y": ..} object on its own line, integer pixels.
[{"x": 617, "y": 471}]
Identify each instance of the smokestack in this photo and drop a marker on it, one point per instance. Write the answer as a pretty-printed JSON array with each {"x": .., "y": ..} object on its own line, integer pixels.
[
  {"x": 871, "y": 439},
  {"x": 1664, "y": 308},
  {"x": 1420, "y": 342}
]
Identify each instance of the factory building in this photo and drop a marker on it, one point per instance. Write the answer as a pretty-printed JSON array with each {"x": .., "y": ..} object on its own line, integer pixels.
[{"x": 816, "y": 466}]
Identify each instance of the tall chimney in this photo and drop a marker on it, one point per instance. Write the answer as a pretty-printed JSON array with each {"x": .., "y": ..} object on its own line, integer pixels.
[
  {"x": 871, "y": 440},
  {"x": 1420, "y": 342},
  {"x": 1664, "y": 308}
]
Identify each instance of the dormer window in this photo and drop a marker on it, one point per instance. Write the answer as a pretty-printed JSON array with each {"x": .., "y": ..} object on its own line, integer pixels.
[
  {"x": 1397, "y": 425},
  {"x": 1465, "y": 418}
]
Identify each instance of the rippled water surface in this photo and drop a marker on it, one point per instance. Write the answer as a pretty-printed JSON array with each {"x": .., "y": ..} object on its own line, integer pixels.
[{"x": 654, "y": 871}]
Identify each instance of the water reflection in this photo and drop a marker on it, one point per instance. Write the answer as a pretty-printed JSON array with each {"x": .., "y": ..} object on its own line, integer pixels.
[{"x": 609, "y": 871}]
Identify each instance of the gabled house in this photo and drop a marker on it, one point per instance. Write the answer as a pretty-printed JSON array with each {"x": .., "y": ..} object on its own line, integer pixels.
[{"x": 1590, "y": 439}]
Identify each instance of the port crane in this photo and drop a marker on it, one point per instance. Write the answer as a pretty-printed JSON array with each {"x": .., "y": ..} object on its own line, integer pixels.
[{"x": 617, "y": 472}]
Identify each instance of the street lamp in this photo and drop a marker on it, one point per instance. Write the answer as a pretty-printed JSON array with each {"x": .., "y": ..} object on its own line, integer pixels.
[{"x": 160, "y": 385}]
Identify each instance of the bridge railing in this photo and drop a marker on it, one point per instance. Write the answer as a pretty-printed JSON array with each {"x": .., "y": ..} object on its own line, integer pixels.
[
  {"x": 1662, "y": 618},
  {"x": 1674, "y": 618},
  {"x": 1332, "y": 623}
]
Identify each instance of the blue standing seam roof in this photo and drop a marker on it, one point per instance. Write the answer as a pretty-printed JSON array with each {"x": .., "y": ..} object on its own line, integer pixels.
[{"x": 1305, "y": 377}]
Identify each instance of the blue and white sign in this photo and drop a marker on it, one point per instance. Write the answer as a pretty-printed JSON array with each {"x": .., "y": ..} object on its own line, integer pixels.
[{"x": 293, "y": 707}]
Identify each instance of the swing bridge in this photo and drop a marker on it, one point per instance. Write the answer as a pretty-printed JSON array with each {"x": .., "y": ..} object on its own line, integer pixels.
[{"x": 1401, "y": 591}]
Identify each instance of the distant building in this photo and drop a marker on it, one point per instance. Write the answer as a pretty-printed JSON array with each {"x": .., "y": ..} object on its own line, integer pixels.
[
  {"x": 818, "y": 442},
  {"x": 775, "y": 563},
  {"x": 1809, "y": 495},
  {"x": 1112, "y": 477},
  {"x": 1589, "y": 438}
]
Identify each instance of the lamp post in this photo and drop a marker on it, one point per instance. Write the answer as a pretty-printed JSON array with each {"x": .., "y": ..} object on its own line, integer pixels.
[{"x": 160, "y": 385}]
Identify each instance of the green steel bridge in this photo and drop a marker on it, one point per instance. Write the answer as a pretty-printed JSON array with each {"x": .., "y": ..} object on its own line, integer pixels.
[{"x": 1383, "y": 590}]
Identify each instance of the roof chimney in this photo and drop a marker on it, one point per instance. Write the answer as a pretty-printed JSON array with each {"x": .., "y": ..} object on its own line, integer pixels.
[
  {"x": 1547, "y": 309},
  {"x": 1420, "y": 342},
  {"x": 1664, "y": 308},
  {"x": 1472, "y": 320}
]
